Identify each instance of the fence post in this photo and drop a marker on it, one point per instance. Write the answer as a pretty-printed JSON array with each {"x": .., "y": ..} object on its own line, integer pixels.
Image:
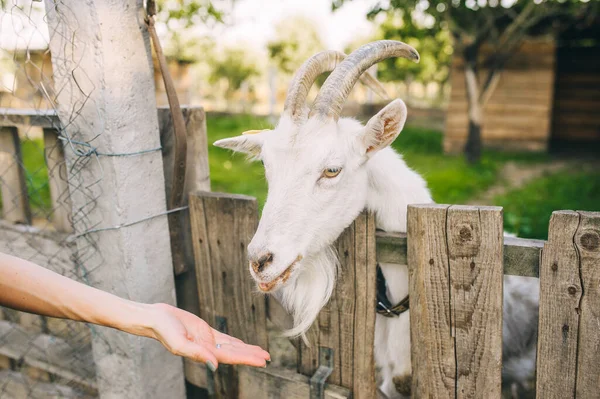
[
  {"x": 105, "y": 97},
  {"x": 455, "y": 266},
  {"x": 568, "y": 356},
  {"x": 15, "y": 199},
  {"x": 222, "y": 227}
]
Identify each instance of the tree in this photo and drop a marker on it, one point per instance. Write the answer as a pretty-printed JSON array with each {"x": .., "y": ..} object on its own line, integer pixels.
[
  {"x": 501, "y": 25},
  {"x": 178, "y": 20},
  {"x": 235, "y": 65},
  {"x": 434, "y": 47},
  {"x": 297, "y": 39}
]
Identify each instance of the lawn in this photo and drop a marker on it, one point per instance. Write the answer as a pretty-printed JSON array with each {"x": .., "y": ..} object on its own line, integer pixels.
[
  {"x": 451, "y": 180},
  {"x": 527, "y": 210}
]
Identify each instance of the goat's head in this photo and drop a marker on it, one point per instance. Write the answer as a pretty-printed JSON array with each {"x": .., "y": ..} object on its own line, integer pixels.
[{"x": 315, "y": 167}]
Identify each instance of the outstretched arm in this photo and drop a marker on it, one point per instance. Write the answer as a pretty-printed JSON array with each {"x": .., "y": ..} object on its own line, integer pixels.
[{"x": 32, "y": 288}]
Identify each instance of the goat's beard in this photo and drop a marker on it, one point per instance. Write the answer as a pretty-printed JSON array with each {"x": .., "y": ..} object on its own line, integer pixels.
[{"x": 309, "y": 291}]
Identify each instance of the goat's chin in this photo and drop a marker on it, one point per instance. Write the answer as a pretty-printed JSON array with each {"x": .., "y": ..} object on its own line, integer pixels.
[{"x": 305, "y": 295}]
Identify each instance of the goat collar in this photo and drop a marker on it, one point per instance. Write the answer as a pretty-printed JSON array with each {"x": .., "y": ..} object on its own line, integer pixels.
[{"x": 384, "y": 306}]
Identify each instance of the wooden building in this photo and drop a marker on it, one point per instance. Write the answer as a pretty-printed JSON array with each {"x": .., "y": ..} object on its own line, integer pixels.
[{"x": 548, "y": 98}]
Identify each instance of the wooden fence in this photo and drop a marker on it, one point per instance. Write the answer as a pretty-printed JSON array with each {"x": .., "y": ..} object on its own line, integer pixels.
[{"x": 457, "y": 257}]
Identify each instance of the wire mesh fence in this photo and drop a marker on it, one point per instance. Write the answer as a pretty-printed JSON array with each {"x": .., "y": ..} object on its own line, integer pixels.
[{"x": 40, "y": 172}]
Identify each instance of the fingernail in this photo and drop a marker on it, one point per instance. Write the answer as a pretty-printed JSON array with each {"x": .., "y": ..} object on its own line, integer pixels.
[{"x": 211, "y": 366}]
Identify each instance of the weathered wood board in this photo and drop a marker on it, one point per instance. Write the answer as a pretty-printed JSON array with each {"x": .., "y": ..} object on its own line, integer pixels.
[
  {"x": 568, "y": 360},
  {"x": 455, "y": 266},
  {"x": 222, "y": 226}
]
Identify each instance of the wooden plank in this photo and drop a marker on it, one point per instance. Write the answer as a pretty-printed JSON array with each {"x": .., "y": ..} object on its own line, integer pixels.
[
  {"x": 521, "y": 255},
  {"x": 587, "y": 241},
  {"x": 48, "y": 353},
  {"x": 222, "y": 226},
  {"x": 475, "y": 262},
  {"x": 347, "y": 323},
  {"x": 15, "y": 199},
  {"x": 276, "y": 383},
  {"x": 391, "y": 247},
  {"x": 365, "y": 291},
  {"x": 560, "y": 292},
  {"x": 14, "y": 385},
  {"x": 28, "y": 117},
  {"x": 432, "y": 345},
  {"x": 57, "y": 181}
]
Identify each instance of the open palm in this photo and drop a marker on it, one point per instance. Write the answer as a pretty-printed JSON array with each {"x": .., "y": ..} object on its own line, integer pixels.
[{"x": 185, "y": 334}]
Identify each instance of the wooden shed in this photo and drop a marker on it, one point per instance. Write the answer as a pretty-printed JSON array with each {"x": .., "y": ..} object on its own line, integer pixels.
[{"x": 548, "y": 98}]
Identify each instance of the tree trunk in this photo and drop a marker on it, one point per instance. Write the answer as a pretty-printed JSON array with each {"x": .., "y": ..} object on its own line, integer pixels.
[{"x": 475, "y": 111}]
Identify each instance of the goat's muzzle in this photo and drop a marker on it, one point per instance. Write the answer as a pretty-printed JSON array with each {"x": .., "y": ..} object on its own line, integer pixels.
[{"x": 263, "y": 261}]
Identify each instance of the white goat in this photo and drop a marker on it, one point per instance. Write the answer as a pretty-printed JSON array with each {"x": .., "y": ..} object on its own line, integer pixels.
[{"x": 322, "y": 172}]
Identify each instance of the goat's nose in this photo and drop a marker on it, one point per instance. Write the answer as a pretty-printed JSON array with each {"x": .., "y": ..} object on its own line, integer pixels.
[{"x": 263, "y": 260}]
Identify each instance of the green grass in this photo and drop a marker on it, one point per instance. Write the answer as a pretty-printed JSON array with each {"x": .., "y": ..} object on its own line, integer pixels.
[
  {"x": 36, "y": 173},
  {"x": 230, "y": 172},
  {"x": 36, "y": 176},
  {"x": 527, "y": 210}
]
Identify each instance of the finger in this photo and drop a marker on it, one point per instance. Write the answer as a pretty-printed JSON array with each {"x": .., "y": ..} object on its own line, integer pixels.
[
  {"x": 231, "y": 355},
  {"x": 198, "y": 353}
]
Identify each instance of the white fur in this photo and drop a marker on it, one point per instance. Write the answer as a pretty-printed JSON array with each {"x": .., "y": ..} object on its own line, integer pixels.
[{"x": 304, "y": 214}]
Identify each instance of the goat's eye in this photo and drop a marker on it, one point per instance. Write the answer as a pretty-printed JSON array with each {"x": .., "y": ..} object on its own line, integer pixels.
[{"x": 331, "y": 172}]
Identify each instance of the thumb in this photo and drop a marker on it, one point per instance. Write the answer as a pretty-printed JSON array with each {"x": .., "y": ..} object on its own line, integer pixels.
[{"x": 199, "y": 353}]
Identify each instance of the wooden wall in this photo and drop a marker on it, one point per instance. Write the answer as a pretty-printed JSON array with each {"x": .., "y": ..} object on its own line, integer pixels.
[
  {"x": 518, "y": 115},
  {"x": 576, "y": 112}
]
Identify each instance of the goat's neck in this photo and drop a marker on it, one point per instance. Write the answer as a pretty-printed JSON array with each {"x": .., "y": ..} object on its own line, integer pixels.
[{"x": 392, "y": 186}]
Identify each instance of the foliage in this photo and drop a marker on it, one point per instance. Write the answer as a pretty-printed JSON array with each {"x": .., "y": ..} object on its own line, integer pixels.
[
  {"x": 297, "y": 39},
  {"x": 235, "y": 65},
  {"x": 527, "y": 210},
  {"x": 433, "y": 45},
  {"x": 180, "y": 18}
]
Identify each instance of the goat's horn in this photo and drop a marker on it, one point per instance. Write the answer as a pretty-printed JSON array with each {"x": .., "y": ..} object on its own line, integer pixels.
[
  {"x": 337, "y": 87},
  {"x": 305, "y": 77}
]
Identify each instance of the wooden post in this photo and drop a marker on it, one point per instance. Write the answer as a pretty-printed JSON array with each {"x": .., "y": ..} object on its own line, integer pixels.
[
  {"x": 197, "y": 178},
  {"x": 102, "y": 72},
  {"x": 346, "y": 326},
  {"x": 222, "y": 226},
  {"x": 57, "y": 180},
  {"x": 568, "y": 362},
  {"x": 15, "y": 199},
  {"x": 455, "y": 265}
]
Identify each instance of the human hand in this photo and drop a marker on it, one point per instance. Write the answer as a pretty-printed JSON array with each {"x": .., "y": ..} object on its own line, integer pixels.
[{"x": 185, "y": 334}]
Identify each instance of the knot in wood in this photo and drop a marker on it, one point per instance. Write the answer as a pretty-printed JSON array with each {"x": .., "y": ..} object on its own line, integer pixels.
[
  {"x": 465, "y": 233},
  {"x": 572, "y": 290},
  {"x": 590, "y": 240},
  {"x": 555, "y": 266}
]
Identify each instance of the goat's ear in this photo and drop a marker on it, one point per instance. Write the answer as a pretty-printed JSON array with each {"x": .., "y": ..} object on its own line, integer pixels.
[
  {"x": 249, "y": 142},
  {"x": 383, "y": 128}
]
